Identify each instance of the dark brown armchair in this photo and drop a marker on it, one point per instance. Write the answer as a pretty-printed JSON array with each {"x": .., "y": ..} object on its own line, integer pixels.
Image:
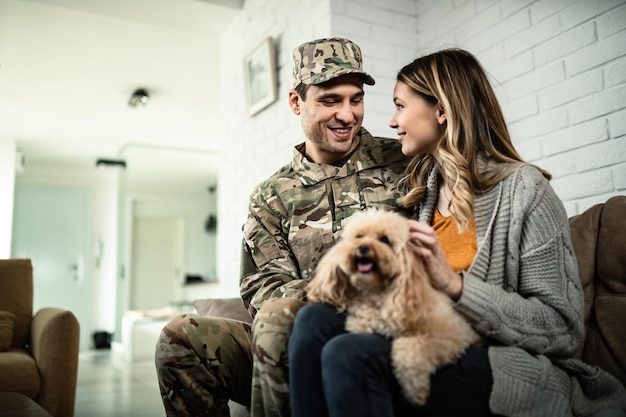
[{"x": 38, "y": 353}]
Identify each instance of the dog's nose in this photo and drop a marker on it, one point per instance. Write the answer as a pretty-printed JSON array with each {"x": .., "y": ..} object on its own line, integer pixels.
[{"x": 363, "y": 250}]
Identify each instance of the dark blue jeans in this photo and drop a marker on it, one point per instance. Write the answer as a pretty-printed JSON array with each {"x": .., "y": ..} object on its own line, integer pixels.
[{"x": 338, "y": 374}]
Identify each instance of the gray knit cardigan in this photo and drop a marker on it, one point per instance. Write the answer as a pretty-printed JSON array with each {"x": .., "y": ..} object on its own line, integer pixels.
[{"x": 522, "y": 292}]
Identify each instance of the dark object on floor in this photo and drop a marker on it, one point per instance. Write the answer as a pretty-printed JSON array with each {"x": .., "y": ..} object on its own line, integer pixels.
[{"x": 102, "y": 340}]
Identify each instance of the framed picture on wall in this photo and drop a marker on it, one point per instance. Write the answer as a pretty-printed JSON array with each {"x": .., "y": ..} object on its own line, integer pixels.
[{"x": 260, "y": 76}]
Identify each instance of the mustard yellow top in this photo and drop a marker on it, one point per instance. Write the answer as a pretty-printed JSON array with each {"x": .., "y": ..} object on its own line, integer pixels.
[{"x": 460, "y": 249}]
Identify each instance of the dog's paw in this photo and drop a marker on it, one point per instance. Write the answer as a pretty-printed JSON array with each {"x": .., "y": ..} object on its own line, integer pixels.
[
  {"x": 417, "y": 389},
  {"x": 411, "y": 369},
  {"x": 419, "y": 397}
]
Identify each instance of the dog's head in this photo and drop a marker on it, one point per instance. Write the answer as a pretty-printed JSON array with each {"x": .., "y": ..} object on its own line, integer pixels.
[{"x": 371, "y": 254}]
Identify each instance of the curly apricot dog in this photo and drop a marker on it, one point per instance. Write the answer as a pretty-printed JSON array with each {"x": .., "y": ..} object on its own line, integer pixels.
[{"x": 372, "y": 274}]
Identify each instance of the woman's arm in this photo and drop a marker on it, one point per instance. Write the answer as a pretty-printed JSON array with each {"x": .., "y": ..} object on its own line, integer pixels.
[{"x": 531, "y": 296}]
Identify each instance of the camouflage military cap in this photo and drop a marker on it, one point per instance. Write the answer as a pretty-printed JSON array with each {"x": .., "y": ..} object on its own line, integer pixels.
[{"x": 321, "y": 60}]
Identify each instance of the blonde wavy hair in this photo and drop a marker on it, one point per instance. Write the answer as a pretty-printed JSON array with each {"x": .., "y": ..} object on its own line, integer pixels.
[{"x": 475, "y": 129}]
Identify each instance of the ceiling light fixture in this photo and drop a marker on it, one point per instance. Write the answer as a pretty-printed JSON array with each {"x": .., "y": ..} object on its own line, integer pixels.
[
  {"x": 111, "y": 163},
  {"x": 139, "y": 98}
]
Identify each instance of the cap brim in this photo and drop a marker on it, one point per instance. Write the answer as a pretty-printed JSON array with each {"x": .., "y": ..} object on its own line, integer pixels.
[{"x": 367, "y": 79}]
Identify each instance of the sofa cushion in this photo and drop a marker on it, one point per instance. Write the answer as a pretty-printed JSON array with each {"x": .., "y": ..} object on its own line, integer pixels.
[
  {"x": 16, "y": 282},
  {"x": 19, "y": 373},
  {"x": 230, "y": 308},
  {"x": 607, "y": 339},
  {"x": 7, "y": 320},
  {"x": 599, "y": 240}
]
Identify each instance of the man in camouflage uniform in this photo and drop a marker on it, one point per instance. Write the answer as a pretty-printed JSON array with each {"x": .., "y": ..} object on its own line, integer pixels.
[{"x": 294, "y": 217}]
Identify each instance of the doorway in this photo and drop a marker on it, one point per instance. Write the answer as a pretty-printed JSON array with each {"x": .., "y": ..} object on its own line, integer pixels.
[
  {"x": 157, "y": 265},
  {"x": 52, "y": 227}
]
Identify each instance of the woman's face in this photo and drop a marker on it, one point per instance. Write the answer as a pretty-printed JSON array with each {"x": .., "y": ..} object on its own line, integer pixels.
[{"x": 420, "y": 124}]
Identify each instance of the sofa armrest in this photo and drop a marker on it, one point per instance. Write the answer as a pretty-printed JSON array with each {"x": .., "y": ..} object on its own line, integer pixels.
[
  {"x": 55, "y": 335},
  {"x": 228, "y": 308}
]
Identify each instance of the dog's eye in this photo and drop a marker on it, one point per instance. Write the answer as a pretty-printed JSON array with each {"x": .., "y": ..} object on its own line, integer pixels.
[
  {"x": 359, "y": 236},
  {"x": 385, "y": 240}
]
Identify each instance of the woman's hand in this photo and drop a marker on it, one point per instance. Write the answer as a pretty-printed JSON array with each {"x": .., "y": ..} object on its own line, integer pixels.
[{"x": 426, "y": 245}]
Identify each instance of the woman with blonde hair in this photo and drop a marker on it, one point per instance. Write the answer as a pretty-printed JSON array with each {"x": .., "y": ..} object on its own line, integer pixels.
[{"x": 495, "y": 238}]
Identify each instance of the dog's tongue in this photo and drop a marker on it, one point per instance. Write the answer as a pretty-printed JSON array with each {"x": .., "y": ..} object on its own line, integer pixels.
[{"x": 365, "y": 267}]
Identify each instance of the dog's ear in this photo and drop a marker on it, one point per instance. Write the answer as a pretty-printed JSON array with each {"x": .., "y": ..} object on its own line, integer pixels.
[
  {"x": 329, "y": 284},
  {"x": 407, "y": 301}
]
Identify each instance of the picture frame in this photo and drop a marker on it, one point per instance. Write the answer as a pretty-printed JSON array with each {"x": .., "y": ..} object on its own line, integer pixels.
[{"x": 260, "y": 76}]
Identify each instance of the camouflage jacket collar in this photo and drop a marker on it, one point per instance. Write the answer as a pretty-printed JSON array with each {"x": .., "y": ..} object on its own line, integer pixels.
[{"x": 367, "y": 155}]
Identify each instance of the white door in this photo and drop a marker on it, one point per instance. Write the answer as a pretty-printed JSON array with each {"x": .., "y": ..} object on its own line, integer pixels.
[
  {"x": 52, "y": 227},
  {"x": 157, "y": 262}
]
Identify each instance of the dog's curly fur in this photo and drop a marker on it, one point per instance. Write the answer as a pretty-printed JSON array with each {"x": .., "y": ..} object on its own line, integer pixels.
[{"x": 372, "y": 273}]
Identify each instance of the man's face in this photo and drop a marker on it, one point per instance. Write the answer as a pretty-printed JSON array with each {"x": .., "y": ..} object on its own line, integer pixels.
[{"x": 331, "y": 117}]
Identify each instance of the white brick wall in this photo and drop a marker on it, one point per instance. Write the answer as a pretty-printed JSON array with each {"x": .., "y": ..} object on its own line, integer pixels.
[{"x": 559, "y": 69}]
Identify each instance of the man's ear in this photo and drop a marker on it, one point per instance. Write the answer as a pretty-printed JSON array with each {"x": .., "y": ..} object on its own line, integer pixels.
[
  {"x": 294, "y": 102},
  {"x": 442, "y": 117}
]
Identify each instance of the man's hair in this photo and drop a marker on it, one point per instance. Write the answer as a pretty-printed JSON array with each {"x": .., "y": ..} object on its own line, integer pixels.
[{"x": 302, "y": 89}]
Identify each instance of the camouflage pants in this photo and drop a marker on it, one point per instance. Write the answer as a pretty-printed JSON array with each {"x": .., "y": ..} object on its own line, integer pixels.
[{"x": 202, "y": 362}]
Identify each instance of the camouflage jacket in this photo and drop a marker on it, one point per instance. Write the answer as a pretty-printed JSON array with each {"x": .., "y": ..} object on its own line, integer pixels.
[{"x": 297, "y": 214}]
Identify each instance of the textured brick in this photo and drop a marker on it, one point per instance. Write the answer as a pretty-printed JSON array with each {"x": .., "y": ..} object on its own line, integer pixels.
[
  {"x": 544, "y": 9},
  {"x": 512, "y": 67},
  {"x": 351, "y": 26},
  {"x": 481, "y": 5},
  {"x": 399, "y": 6},
  {"x": 612, "y": 22},
  {"x": 564, "y": 44},
  {"x": 599, "y": 104},
  {"x": 510, "y": 7},
  {"x": 584, "y": 184},
  {"x": 520, "y": 109},
  {"x": 372, "y": 14},
  {"x": 528, "y": 150},
  {"x": 600, "y": 155},
  {"x": 615, "y": 72},
  {"x": 596, "y": 54},
  {"x": 394, "y": 35},
  {"x": 538, "y": 79},
  {"x": 617, "y": 124},
  {"x": 542, "y": 124},
  {"x": 377, "y": 50},
  {"x": 488, "y": 17},
  {"x": 619, "y": 177},
  {"x": 559, "y": 166},
  {"x": 491, "y": 58},
  {"x": 582, "y": 11},
  {"x": 500, "y": 32},
  {"x": 532, "y": 36},
  {"x": 575, "y": 137},
  {"x": 570, "y": 89},
  {"x": 433, "y": 11},
  {"x": 462, "y": 13}
]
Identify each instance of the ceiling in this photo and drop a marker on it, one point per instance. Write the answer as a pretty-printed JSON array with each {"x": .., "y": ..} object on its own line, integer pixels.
[{"x": 68, "y": 68}]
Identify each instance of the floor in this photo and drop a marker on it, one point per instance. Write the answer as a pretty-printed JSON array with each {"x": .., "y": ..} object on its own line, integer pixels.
[{"x": 110, "y": 386}]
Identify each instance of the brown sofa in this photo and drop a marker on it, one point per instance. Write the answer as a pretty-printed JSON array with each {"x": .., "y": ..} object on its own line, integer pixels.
[
  {"x": 38, "y": 353},
  {"x": 599, "y": 240}
]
